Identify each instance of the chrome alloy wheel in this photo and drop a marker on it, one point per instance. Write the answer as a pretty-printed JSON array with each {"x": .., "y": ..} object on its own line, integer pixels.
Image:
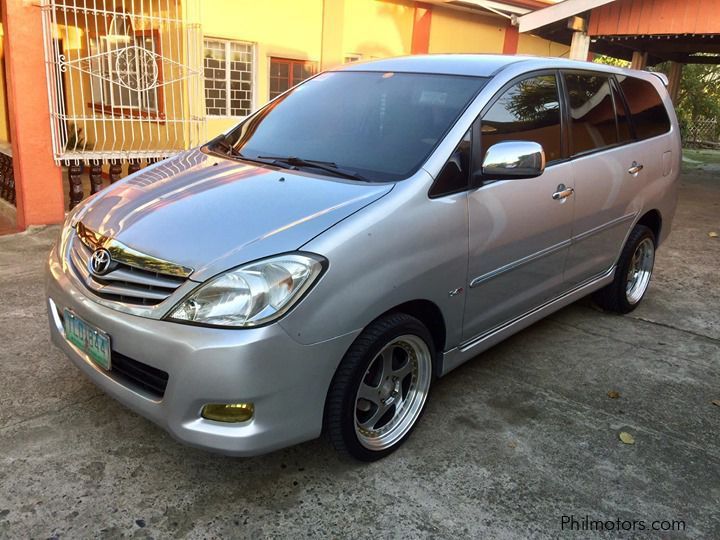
[
  {"x": 640, "y": 271},
  {"x": 392, "y": 392}
]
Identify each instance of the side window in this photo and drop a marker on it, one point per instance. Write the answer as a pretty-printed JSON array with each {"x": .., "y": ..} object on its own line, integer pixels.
[
  {"x": 528, "y": 111},
  {"x": 648, "y": 112},
  {"x": 455, "y": 174},
  {"x": 623, "y": 118},
  {"x": 592, "y": 114}
]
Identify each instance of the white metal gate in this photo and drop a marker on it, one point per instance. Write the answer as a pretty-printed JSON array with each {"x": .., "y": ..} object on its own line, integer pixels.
[{"x": 124, "y": 78}]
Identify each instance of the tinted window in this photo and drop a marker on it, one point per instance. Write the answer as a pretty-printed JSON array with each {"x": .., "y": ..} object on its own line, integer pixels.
[
  {"x": 648, "y": 112},
  {"x": 592, "y": 114},
  {"x": 380, "y": 125},
  {"x": 623, "y": 118},
  {"x": 528, "y": 111}
]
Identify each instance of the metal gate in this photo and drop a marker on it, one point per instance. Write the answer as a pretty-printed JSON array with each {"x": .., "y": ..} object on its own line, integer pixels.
[{"x": 124, "y": 78}]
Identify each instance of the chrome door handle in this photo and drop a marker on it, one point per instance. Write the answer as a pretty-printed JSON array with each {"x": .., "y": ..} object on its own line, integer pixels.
[
  {"x": 636, "y": 168},
  {"x": 562, "y": 193}
]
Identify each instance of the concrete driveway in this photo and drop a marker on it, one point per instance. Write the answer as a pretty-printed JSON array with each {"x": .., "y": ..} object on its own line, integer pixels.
[{"x": 511, "y": 442}]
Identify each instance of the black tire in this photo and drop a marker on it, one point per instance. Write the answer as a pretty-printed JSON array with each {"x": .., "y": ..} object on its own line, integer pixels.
[
  {"x": 614, "y": 297},
  {"x": 340, "y": 406}
]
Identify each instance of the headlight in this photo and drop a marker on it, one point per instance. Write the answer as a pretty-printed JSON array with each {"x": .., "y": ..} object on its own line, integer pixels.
[{"x": 251, "y": 295}]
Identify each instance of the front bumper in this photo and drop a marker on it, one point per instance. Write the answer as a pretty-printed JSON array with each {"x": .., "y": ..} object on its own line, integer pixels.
[{"x": 286, "y": 381}]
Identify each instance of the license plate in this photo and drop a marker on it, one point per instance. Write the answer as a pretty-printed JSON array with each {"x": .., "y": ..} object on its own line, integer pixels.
[{"x": 92, "y": 341}]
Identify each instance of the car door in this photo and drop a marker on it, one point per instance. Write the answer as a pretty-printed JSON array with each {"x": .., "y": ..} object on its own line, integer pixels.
[
  {"x": 602, "y": 167},
  {"x": 519, "y": 230}
]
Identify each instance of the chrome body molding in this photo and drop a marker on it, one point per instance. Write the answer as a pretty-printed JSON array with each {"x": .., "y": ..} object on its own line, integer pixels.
[
  {"x": 474, "y": 346},
  {"x": 533, "y": 257},
  {"x": 604, "y": 227},
  {"x": 552, "y": 249},
  {"x": 129, "y": 256}
]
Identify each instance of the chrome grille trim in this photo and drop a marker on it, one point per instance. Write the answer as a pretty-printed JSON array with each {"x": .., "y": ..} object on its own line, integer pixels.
[
  {"x": 136, "y": 277},
  {"x": 135, "y": 280},
  {"x": 127, "y": 255}
]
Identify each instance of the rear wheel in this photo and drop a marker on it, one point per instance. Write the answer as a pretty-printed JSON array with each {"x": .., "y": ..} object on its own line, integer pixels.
[
  {"x": 379, "y": 391},
  {"x": 632, "y": 275}
]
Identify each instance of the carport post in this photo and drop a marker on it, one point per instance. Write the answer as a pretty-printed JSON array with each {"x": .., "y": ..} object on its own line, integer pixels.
[
  {"x": 674, "y": 77},
  {"x": 580, "y": 46},
  {"x": 639, "y": 60}
]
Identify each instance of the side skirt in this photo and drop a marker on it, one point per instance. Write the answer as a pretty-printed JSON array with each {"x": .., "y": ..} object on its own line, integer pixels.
[{"x": 474, "y": 346}]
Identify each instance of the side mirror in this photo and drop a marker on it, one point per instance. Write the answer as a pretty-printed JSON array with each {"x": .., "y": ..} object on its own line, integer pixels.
[{"x": 513, "y": 160}]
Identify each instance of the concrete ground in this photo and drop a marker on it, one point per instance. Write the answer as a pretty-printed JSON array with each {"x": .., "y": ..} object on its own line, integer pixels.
[{"x": 511, "y": 442}]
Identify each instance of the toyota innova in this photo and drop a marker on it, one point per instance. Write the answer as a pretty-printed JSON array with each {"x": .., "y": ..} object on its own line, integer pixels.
[{"x": 317, "y": 267}]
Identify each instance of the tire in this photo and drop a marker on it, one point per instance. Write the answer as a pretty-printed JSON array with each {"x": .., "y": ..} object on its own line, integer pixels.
[
  {"x": 391, "y": 364},
  {"x": 632, "y": 275}
]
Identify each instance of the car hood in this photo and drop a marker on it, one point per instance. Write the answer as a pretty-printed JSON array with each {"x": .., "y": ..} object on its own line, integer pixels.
[{"x": 210, "y": 213}]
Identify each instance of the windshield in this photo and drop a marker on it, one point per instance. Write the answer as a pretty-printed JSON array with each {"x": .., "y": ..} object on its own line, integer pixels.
[{"x": 375, "y": 126}]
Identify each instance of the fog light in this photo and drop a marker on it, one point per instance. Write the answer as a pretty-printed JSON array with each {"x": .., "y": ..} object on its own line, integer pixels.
[{"x": 228, "y": 412}]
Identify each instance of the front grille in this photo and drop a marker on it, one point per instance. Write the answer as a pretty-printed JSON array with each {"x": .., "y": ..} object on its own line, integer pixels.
[
  {"x": 126, "y": 283},
  {"x": 152, "y": 380}
]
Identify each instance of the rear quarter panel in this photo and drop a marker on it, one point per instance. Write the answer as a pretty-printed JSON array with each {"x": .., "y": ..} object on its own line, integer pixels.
[{"x": 661, "y": 157}]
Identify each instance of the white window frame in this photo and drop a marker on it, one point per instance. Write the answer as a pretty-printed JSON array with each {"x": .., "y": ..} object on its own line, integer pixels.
[{"x": 253, "y": 76}]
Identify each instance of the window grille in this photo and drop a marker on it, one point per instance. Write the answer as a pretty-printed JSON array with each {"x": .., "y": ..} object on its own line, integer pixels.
[
  {"x": 124, "y": 78},
  {"x": 229, "y": 70}
]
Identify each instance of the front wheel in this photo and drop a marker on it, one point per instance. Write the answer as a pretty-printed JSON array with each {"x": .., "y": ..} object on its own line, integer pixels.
[
  {"x": 632, "y": 275},
  {"x": 379, "y": 391}
]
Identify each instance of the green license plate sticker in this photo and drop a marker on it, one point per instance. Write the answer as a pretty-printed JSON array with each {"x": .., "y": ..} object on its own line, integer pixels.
[{"x": 92, "y": 341}]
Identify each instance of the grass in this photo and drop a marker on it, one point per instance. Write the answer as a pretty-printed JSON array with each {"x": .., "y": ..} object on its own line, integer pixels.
[{"x": 704, "y": 157}]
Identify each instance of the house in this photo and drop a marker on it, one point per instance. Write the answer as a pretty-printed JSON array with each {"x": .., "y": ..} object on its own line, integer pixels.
[{"x": 96, "y": 89}]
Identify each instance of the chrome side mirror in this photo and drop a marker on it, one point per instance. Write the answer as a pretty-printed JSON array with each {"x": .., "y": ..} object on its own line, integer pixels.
[{"x": 513, "y": 159}]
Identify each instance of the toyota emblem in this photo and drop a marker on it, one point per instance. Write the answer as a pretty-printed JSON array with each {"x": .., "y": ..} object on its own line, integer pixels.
[{"x": 100, "y": 262}]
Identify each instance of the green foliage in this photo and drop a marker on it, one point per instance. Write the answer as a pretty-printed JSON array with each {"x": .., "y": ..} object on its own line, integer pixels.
[
  {"x": 76, "y": 140},
  {"x": 75, "y": 137},
  {"x": 535, "y": 100},
  {"x": 699, "y": 93},
  {"x": 610, "y": 61}
]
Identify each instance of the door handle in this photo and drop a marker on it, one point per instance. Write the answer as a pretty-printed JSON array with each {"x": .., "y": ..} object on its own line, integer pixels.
[
  {"x": 636, "y": 168},
  {"x": 562, "y": 192}
]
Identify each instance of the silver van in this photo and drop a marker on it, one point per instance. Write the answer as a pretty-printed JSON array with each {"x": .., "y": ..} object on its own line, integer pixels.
[{"x": 317, "y": 267}]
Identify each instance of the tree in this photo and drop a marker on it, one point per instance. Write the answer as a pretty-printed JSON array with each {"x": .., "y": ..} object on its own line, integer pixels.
[{"x": 699, "y": 93}]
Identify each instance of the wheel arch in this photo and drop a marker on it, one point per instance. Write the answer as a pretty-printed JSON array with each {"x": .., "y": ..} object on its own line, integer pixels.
[
  {"x": 431, "y": 316},
  {"x": 653, "y": 221}
]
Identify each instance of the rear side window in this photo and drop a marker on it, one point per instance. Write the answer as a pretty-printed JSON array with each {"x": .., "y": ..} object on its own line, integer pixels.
[
  {"x": 646, "y": 107},
  {"x": 527, "y": 111},
  {"x": 592, "y": 113}
]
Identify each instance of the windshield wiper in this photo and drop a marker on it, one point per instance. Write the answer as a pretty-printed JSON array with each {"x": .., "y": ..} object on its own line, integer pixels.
[{"x": 328, "y": 166}]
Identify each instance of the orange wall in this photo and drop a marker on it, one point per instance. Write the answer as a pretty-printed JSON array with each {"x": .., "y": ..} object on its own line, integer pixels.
[
  {"x": 453, "y": 31},
  {"x": 38, "y": 182}
]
